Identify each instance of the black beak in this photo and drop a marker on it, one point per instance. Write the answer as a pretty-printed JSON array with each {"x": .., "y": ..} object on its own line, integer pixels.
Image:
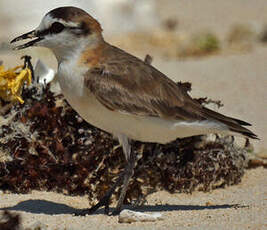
[{"x": 29, "y": 35}]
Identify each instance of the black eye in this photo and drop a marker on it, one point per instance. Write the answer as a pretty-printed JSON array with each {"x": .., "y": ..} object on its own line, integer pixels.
[{"x": 56, "y": 28}]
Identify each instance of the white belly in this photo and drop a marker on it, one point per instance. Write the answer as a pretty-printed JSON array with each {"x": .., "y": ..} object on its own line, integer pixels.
[{"x": 146, "y": 129}]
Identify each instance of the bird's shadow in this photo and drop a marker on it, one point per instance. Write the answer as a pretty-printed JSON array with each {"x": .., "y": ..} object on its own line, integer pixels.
[{"x": 53, "y": 208}]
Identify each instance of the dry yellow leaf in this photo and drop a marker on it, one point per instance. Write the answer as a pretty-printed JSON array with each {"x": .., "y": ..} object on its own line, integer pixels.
[{"x": 12, "y": 82}]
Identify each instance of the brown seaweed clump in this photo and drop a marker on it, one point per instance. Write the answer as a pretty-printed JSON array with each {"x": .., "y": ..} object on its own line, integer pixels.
[
  {"x": 9, "y": 221},
  {"x": 52, "y": 148}
]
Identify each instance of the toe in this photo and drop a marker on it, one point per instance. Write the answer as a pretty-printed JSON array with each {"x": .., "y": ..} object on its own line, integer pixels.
[{"x": 82, "y": 212}]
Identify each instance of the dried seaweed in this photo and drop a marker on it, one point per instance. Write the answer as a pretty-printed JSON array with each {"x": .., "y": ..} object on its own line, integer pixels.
[
  {"x": 54, "y": 149},
  {"x": 9, "y": 221}
]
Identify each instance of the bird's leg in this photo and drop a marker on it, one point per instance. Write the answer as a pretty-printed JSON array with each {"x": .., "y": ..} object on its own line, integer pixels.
[
  {"x": 128, "y": 171},
  {"x": 124, "y": 177},
  {"x": 106, "y": 198}
]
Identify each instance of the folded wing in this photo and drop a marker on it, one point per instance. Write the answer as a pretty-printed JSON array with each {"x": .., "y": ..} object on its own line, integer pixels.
[{"x": 129, "y": 85}]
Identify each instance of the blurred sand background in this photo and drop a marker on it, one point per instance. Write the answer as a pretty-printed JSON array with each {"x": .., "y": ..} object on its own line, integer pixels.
[{"x": 236, "y": 74}]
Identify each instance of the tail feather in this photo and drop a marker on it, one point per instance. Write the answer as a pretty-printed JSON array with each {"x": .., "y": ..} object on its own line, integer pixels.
[
  {"x": 243, "y": 123},
  {"x": 247, "y": 133},
  {"x": 242, "y": 130},
  {"x": 233, "y": 124}
]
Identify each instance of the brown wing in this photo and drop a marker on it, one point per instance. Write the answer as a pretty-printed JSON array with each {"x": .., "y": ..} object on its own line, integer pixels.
[
  {"x": 130, "y": 85},
  {"x": 125, "y": 83}
]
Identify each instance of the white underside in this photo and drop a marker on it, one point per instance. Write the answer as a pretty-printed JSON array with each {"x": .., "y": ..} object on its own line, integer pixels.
[{"x": 147, "y": 129}]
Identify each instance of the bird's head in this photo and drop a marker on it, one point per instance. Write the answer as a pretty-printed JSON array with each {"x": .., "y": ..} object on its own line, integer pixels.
[{"x": 64, "y": 30}]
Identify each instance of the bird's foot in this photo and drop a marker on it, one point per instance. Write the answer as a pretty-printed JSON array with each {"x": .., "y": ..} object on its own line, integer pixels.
[
  {"x": 125, "y": 178},
  {"x": 82, "y": 212},
  {"x": 116, "y": 211},
  {"x": 103, "y": 202}
]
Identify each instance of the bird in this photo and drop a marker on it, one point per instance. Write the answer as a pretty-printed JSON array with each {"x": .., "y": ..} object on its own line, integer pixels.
[{"x": 120, "y": 93}]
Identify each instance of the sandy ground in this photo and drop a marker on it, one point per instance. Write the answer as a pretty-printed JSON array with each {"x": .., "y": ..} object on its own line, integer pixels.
[
  {"x": 214, "y": 15},
  {"x": 242, "y": 206}
]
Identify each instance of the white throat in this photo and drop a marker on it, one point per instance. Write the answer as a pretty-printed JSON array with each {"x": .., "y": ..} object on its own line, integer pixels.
[
  {"x": 71, "y": 47},
  {"x": 69, "y": 53}
]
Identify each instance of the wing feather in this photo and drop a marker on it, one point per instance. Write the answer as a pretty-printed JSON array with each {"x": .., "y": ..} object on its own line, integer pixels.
[{"x": 134, "y": 87}]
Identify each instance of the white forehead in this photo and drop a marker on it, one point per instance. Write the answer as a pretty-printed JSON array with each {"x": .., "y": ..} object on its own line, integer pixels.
[{"x": 47, "y": 21}]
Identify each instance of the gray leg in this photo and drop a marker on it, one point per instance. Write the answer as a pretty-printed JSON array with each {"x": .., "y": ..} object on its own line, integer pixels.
[
  {"x": 124, "y": 142},
  {"x": 104, "y": 200},
  {"x": 124, "y": 178},
  {"x": 128, "y": 171}
]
